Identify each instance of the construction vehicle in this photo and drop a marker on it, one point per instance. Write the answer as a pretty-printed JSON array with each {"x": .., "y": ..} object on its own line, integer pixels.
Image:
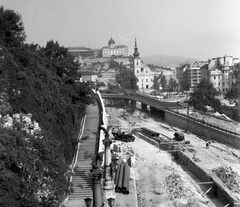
[
  {"x": 179, "y": 136},
  {"x": 123, "y": 136}
]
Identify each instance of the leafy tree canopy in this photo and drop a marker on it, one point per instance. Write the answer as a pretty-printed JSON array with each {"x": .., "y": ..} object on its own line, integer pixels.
[
  {"x": 204, "y": 95},
  {"x": 39, "y": 81},
  {"x": 172, "y": 85},
  {"x": 163, "y": 82},
  {"x": 127, "y": 79},
  {"x": 62, "y": 61},
  {"x": 11, "y": 28},
  {"x": 234, "y": 93}
]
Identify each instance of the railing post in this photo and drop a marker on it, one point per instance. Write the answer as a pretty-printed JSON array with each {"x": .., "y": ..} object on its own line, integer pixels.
[
  {"x": 108, "y": 184},
  {"x": 96, "y": 175}
]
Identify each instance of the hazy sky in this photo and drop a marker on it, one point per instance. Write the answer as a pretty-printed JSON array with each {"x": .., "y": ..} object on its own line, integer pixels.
[{"x": 199, "y": 29}]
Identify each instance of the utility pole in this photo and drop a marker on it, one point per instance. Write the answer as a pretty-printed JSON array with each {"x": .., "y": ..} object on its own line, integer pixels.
[{"x": 187, "y": 113}]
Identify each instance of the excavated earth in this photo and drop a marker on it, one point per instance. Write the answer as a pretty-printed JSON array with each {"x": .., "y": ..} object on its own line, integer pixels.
[{"x": 161, "y": 180}]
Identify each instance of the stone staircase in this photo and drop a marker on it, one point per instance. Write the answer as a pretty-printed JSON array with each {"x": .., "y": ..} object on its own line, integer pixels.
[{"x": 82, "y": 184}]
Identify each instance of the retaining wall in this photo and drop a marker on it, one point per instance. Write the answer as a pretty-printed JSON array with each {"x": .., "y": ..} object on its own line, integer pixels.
[
  {"x": 222, "y": 192},
  {"x": 202, "y": 129}
]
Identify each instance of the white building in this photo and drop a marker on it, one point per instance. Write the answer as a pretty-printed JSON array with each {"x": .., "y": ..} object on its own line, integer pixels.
[
  {"x": 143, "y": 73},
  {"x": 113, "y": 49},
  {"x": 221, "y": 72}
]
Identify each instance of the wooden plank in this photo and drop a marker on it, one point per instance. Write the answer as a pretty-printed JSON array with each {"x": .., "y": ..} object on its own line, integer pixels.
[{"x": 203, "y": 183}]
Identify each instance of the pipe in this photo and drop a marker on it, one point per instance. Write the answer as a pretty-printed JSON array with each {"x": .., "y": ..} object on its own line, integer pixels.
[
  {"x": 120, "y": 179},
  {"x": 126, "y": 179},
  {"x": 117, "y": 175}
]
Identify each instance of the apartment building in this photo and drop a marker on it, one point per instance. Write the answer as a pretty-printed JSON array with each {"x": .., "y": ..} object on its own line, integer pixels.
[
  {"x": 219, "y": 71},
  {"x": 192, "y": 73}
]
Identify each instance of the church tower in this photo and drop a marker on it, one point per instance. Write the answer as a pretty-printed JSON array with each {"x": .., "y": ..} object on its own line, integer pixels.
[
  {"x": 136, "y": 53},
  {"x": 137, "y": 60}
]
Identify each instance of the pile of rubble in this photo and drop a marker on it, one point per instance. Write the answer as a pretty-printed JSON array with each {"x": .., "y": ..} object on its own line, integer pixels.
[
  {"x": 229, "y": 177},
  {"x": 177, "y": 187}
]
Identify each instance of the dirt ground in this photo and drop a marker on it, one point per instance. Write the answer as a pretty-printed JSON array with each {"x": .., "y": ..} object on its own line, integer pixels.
[{"x": 154, "y": 169}]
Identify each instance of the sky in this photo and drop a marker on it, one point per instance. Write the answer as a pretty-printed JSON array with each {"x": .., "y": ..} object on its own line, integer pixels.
[{"x": 200, "y": 29}]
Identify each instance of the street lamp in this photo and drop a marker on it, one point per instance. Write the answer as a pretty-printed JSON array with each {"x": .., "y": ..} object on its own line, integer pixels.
[
  {"x": 111, "y": 202},
  {"x": 88, "y": 202}
]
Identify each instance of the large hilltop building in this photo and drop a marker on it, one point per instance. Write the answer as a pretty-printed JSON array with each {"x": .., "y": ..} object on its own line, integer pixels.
[
  {"x": 112, "y": 52},
  {"x": 113, "y": 49}
]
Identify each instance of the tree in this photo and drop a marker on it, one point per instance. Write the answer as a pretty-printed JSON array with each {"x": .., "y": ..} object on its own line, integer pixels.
[
  {"x": 184, "y": 85},
  {"x": 163, "y": 82},
  {"x": 127, "y": 79},
  {"x": 39, "y": 81},
  {"x": 114, "y": 64},
  {"x": 155, "y": 83},
  {"x": 234, "y": 93},
  {"x": 62, "y": 61},
  {"x": 204, "y": 95},
  {"x": 11, "y": 28},
  {"x": 32, "y": 172},
  {"x": 172, "y": 84}
]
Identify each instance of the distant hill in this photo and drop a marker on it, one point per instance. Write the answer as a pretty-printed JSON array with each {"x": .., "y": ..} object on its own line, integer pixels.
[{"x": 163, "y": 60}]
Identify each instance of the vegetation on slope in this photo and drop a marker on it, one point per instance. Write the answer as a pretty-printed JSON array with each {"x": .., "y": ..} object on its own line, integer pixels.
[{"x": 39, "y": 81}]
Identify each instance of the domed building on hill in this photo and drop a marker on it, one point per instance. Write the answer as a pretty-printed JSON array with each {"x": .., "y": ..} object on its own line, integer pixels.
[{"x": 113, "y": 49}]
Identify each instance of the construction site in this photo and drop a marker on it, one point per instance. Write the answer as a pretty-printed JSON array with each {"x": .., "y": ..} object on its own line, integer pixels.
[{"x": 170, "y": 167}]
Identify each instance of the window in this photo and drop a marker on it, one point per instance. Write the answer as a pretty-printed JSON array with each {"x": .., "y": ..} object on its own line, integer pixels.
[
  {"x": 146, "y": 80},
  {"x": 137, "y": 71},
  {"x": 214, "y": 77}
]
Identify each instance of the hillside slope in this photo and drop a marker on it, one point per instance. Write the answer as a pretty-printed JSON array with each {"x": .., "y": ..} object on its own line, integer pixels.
[{"x": 163, "y": 60}]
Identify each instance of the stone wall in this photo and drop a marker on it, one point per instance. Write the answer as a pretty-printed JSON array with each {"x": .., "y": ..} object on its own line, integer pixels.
[
  {"x": 201, "y": 129},
  {"x": 221, "y": 192}
]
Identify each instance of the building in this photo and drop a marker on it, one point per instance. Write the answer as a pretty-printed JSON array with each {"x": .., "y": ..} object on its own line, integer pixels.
[
  {"x": 88, "y": 76},
  {"x": 195, "y": 73},
  {"x": 219, "y": 72},
  {"x": 80, "y": 53},
  {"x": 192, "y": 73},
  {"x": 113, "y": 49},
  {"x": 143, "y": 73}
]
